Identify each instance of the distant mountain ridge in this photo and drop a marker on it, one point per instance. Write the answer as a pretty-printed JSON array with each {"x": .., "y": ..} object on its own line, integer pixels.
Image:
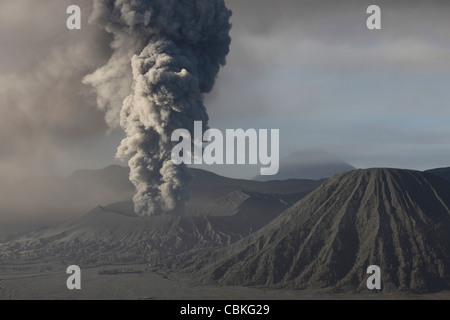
[
  {"x": 221, "y": 210},
  {"x": 312, "y": 164},
  {"x": 205, "y": 184},
  {"x": 442, "y": 172}
]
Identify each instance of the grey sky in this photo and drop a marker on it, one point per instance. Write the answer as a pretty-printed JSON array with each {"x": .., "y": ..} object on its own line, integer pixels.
[
  {"x": 313, "y": 69},
  {"x": 309, "y": 68}
]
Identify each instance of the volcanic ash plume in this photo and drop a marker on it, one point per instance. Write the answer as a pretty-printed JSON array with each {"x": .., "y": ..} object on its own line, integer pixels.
[{"x": 175, "y": 49}]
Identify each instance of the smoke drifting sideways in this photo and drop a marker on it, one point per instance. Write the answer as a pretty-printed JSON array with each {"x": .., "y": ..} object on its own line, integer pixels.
[{"x": 175, "y": 49}]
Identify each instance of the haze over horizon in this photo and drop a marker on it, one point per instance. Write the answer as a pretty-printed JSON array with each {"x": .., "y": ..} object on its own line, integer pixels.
[{"x": 314, "y": 71}]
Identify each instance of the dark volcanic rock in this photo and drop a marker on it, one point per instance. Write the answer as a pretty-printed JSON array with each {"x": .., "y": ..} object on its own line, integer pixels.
[
  {"x": 442, "y": 172},
  {"x": 396, "y": 219}
]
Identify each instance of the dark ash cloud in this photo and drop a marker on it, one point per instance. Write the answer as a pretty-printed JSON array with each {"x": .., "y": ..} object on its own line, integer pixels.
[{"x": 176, "y": 49}]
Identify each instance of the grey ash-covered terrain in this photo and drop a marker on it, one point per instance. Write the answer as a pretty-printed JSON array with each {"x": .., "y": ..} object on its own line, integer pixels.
[
  {"x": 396, "y": 219},
  {"x": 282, "y": 234},
  {"x": 221, "y": 211}
]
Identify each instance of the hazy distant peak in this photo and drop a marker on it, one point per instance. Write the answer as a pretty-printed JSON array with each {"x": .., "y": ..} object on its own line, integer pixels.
[
  {"x": 112, "y": 169},
  {"x": 309, "y": 164}
]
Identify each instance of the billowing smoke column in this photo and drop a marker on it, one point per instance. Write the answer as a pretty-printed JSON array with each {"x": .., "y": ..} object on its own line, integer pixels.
[{"x": 175, "y": 49}]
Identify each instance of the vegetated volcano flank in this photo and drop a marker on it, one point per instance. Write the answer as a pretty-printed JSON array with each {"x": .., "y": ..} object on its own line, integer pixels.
[{"x": 396, "y": 219}]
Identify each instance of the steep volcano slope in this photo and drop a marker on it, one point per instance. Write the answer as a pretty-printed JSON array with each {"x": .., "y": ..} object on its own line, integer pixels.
[
  {"x": 396, "y": 219},
  {"x": 442, "y": 172}
]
